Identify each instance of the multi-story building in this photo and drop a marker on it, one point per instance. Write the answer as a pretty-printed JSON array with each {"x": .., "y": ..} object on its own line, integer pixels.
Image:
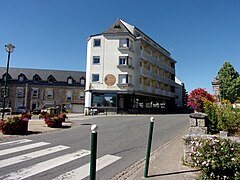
[
  {"x": 33, "y": 88},
  {"x": 127, "y": 71},
  {"x": 181, "y": 95}
]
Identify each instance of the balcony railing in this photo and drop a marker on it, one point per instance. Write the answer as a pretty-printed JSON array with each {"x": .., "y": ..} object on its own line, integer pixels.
[
  {"x": 156, "y": 91},
  {"x": 145, "y": 72},
  {"x": 156, "y": 62},
  {"x": 125, "y": 66}
]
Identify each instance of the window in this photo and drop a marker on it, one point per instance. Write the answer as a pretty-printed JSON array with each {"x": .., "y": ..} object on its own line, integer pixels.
[
  {"x": 104, "y": 100},
  {"x": 95, "y": 77},
  {"x": 20, "y": 92},
  {"x": 123, "y": 78},
  {"x": 51, "y": 79},
  {"x": 97, "y": 42},
  {"x": 49, "y": 93},
  {"x": 70, "y": 81},
  {"x": 69, "y": 95},
  {"x": 3, "y": 91},
  {"x": 123, "y": 60},
  {"x": 21, "y": 78},
  {"x": 4, "y": 77},
  {"x": 35, "y": 92},
  {"x": 96, "y": 60},
  {"x": 36, "y": 78},
  {"x": 125, "y": 42},
  {"x": 82, "y": 81},
  {"x": 81, "y": 95}
]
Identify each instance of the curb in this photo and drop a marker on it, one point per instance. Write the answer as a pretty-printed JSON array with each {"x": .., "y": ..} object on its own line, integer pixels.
[{"x": 135, "y": 167}]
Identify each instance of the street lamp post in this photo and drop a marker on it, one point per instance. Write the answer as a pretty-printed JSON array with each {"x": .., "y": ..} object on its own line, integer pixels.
[{"x": 9, "y": 48}]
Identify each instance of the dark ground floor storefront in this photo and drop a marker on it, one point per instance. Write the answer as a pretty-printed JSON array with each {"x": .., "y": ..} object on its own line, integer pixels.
[{"x": 105, "y": 102}]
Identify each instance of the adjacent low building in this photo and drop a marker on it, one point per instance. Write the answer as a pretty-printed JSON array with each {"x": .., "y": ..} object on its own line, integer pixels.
[
  {"x": 32, "y": 88},
  {"x": 127, "y": 71}
]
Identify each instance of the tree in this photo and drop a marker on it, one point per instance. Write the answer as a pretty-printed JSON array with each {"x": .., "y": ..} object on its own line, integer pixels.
[
  {"x": 229, "y": 82},
  {"x": 196, "y": 98}
]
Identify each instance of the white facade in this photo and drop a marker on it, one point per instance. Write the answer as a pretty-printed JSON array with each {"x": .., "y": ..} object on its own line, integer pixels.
[
  {"x": 123, "y": 60},
  {"x": 179, "y": 90}
]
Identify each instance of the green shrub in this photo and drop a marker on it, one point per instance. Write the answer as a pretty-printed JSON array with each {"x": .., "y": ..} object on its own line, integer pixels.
[
  {"x": 222, "y": 117},
  {"x": 211, "y": 109},
  {"x": 218, "y": 158},
  {"x": 229, "y": 118}
]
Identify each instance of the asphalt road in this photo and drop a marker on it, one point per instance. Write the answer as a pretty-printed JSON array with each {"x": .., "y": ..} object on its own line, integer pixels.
[{"x": 121, "y": 141}]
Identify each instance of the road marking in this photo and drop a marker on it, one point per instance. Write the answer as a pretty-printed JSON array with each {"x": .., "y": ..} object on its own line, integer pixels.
[
  {"x": 32, "y": 155},
  {"x": 46, "y": 165},
  {"x": 22, "y": 148},
  {"x": 16, "y": 142},
  {"x": 83, "y": 171}
]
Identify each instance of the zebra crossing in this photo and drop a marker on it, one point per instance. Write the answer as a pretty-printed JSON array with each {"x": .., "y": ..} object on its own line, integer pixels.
[{"x": 20, "y": 146}]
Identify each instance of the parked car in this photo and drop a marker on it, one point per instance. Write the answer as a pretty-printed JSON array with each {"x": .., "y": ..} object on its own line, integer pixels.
[
  {"x": 21, "y": 109},
  {"x": 37, "y": 110},
  {"x": 7, "y": 111}
]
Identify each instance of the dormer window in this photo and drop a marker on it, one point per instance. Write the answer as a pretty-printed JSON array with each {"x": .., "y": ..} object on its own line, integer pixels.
[
  {"x": 21, "y": 77},
  {"x": 70, "y": 81},
  {"x": 36, "y": 78},
  {"x": 51, "y": 79},
  {"x": 4, "y": 77},
  {"x": 117, "y": 26},
  {"x": 82, "y": 81}
]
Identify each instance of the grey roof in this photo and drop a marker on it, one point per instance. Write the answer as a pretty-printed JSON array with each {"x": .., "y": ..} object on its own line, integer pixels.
[
  {"x": 59, "y": 75},
  {"x": 117, "y": 27}
]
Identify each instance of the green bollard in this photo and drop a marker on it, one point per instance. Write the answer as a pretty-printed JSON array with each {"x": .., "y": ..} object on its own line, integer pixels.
[
  {"x": 93, "y": 152},
  {"x": 149, "y": 146}
]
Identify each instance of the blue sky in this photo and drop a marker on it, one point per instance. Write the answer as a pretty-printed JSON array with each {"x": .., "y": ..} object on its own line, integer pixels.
[{"x": 52, "y": 34}]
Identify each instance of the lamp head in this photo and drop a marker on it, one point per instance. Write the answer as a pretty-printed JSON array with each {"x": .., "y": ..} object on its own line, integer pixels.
[{"x": 9, "y": 48}]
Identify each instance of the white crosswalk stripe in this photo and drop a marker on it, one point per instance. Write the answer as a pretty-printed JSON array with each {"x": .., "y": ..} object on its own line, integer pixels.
[
  {"x": 29, "y": 156},
  {"x": 46, "y": 165},
  {"x": 83, "y": 171},
  {"x": 22, "y": 148},
  {"x": 43, "y": 166},
  {"x": 20, "y": 141}
]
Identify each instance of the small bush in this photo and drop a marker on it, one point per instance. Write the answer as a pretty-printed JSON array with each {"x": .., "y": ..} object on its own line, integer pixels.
[
  {"x": 229, "y": 118},
  {"x": 211, "y": 109},
  {"x": 218, "y": 158},
  {"x": 14, "y": 125}
]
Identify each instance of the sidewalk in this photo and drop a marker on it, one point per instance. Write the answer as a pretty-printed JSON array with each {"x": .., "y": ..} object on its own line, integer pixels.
[{"x": 165, "y": 164}]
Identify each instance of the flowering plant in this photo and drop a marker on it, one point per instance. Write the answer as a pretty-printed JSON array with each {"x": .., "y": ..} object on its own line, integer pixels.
[
  {"x": 53, "y": 120},
  {"x": 195, "y": 99},
  {"x": 14, "y": 125},
  {"x": 218, "y": 158}
]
